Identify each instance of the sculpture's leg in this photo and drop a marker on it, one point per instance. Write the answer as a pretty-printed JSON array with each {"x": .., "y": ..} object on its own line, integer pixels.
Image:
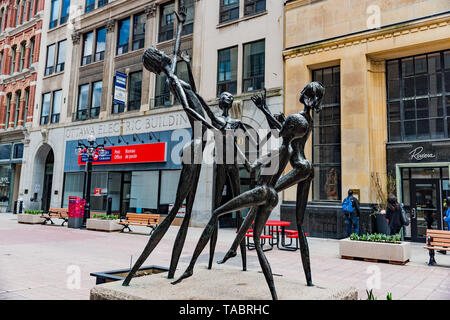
[
  {"x": 235, "y": 182},
  {"x": 248, "y": 199},
  {"x": 182, "y": 232},
  {"x": 260, "y": 221},
  {"x": 240, "y": 237},
  {"x": 221, "y": 178},
  {"x": 184, "y": 186},
  {"x": 302, "y": 200}
]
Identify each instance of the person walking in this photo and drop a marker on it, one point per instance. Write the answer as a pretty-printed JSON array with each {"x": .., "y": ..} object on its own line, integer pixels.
[
  {"x": 394, "y": 215},
  {"x": 447, "y": 212},
  {"x": 350, "y": 208}
]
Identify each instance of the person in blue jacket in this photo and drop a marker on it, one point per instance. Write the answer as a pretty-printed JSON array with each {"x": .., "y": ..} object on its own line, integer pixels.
[
  {"x": 447, "y": 213},
  {"x": 350, "y": 208}
]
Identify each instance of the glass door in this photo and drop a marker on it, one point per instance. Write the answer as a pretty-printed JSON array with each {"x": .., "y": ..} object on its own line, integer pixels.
[{"x": 425, "y": 208}]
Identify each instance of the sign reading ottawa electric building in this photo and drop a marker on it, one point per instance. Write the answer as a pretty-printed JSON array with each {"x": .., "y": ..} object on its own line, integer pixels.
[
  {"x": 173, "y": 121},
  {"x": 150, "y": 152}
]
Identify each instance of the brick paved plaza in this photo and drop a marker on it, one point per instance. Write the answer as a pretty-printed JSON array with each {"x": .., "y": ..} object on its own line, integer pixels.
[{"x": 36, "y": 260}]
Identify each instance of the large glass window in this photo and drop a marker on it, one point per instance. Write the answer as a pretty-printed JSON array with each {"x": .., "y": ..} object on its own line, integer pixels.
[
  {"x": 96, "y": 98},
  {"x": 123, "y": 37},
  {"x": 227, "y": 71},
  {"x": 229, "y": 10},
  {"x": 144, "y": 189},
  {"x": 16, "y": 111},
  {"x": 169, "y": 184},
  {"x": 254, "y": 6},
  {"x": 87, "y": 48},
  {"x": 327, "y": 138},
  {"x": 65, "y": 11},
  {"x": 162, "y": 91},
  {"x": 25, "y": 111},
  {"x": 418, "y": 97},
  {"x": 13, "y": 59},
  {"x": 100, "y": 44},
  {"x": 8, "y": 109},
  {"x": 83, "y": 102},
  {"x": 90, "y": 5},
  {"x": 188, "y": 26},
  {"x": 54, "y": 15},
  {"x": 254, "y": 66},
  {"x": 31, "y": 51},
  {"x": 5, "y": 184},
  {"x": 46, "y": 100},
  {"x": 166, "y": 22},
  {"x": 49, "y": 69},
  {"x": 60, "y": 62},
  {"x": 73, "y": 186},
  {"x": 139, "y": 31},
  {"x": 135, "y": 91},
  {"x": 22, "y": 56},
  {"x": 56, "y": 106}
]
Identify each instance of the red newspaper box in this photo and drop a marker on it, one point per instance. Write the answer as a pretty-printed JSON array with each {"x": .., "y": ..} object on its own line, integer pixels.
[{"x": 76, "y": 212}]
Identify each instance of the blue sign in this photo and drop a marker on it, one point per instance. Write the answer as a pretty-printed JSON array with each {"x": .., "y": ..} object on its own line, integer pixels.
[
  {"x": 120, "y": 88},
  {"x": 96, "y": 157}
]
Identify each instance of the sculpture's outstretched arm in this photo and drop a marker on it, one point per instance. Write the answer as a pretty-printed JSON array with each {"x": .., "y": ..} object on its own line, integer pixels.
[
  {"x": 181, "y": 17},
  {"x": 216, "y": 122},
  {"x": 186, "y": 59},
  {"x": 260, "y": 102}
]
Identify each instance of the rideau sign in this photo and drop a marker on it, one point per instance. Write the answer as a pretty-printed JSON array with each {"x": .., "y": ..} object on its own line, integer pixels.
[
  {"x": 419, "y": 155},
  {"x": 140, "y": 153}
]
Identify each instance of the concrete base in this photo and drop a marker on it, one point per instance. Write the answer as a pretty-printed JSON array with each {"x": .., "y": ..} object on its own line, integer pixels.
[
  {"x": 220, "y": 283},
  {"x": 400, "y": 253},
  {"x": 30, "y": 219},
  {"x": 103, "y": 225}
]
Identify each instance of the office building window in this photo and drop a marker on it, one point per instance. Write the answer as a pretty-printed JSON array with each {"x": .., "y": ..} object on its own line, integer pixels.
[
  {"x": 60, "y": 62},
  {"x": 17, "y": 21},
  {"x": 227, "y": 71},
  {"x": 31, "y": 51},
  {"x": 166, "y": 22},
  {"x": 56, "y": 106},
  {"x": 96, "y": 99},
  {"x": 22, "y": 56},
  {"x": 16, "y": 111},
  {"x": 254, "y": 7},
  {"x": 13, "y": 59},
  {"x": 135, "y": 91},
  {"x": 162, "y": 91},
  {"x": 24, "y": 11},
  {"x": 46, "y": 101},
  {"x": 30, "y": 9},
  {"x": 90, "y": 5},
  {"x": 100, "y": 44},
  {"x": 83, "y": 102},
  {"x": 8, "y": 109},
  {"x": 229, "y": 10},
  {"x": 418, "y": 97},
  {"x": 27, "y": 98},
  {"x": 139, "y": 31},
  {"x": 54, "y": 15},
  {"x": 123, "y": 36},
  {"x": 188, "y": 27},
  {"x": 254, "y": 66},
  {"x": 327, "y": 138},
  {"x": 65, "y": 11},
  {"x": 50, "y": 60},
  {"x": 87, "y": 48},
  {"x": 102, "y": 3}
]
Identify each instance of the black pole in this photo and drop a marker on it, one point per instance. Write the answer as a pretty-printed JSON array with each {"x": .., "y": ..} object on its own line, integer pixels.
[{"x": 87, "y": 197}]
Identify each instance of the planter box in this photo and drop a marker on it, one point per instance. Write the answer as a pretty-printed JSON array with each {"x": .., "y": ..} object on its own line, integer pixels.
[
  {"x": 116, "y": 275},
  {"x": 103, "y": 225},
  {"x": 30, "y": 218},
  {"x": 392, "y": 253}
]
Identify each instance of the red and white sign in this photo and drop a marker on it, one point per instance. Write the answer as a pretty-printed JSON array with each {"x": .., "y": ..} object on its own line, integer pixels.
[
  {"x": 181, "y": 212},
  {"x": 139, "y": 153},
  {"x": 97, "y": 191}
]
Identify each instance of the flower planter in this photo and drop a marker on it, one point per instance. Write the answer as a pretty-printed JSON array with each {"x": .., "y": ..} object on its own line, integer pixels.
[
  {"x": 103, "y": 225},
  {"x": 375, "y": 251},
  {"x": 116, "y": 275},
  {"x": 30, "y": 218}
]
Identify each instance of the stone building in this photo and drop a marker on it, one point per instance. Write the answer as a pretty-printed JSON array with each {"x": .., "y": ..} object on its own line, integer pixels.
[
  {"x": 99, "y": 87},
  {"x": 386, "y": 69},
  {"x": 20, "y": 33}
]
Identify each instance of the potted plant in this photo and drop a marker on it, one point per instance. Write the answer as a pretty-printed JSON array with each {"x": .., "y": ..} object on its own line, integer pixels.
[
  {"x": 31, "y": 217},
  {"x": 376, "y": 247},
  {"x": 103, "y": 222}
]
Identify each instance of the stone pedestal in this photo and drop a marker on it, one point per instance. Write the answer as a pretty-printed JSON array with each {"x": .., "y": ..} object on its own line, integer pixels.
[
  {"x": 30, "y": 219},
  {"x": 220, "y": 283}
]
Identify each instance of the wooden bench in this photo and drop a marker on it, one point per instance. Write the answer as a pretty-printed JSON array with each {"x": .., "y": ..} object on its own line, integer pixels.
[
  {"x": 437, "y": 240},
  {"x": 58, "y": 213},
  {"x": 140, "y": 219}
]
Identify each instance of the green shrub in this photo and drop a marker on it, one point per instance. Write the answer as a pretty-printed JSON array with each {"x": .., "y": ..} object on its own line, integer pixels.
[
  {"x": 105, "y": 217},
  {"x": 376, "y": 237},
  {"x": 34, "y": 212}
]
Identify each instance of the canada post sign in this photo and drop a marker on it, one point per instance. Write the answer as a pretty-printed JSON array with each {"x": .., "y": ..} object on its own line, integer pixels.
[{"x": 140, "y": 153}]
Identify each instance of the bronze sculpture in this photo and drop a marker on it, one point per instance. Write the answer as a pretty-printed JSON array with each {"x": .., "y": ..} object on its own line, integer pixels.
[{"x": 295, "y": 131}]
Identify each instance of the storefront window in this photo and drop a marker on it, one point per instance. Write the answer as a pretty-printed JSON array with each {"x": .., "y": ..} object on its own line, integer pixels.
[
  {"x": 5, "y": 152},
  {"x": 327, "y": 138},
  {"x": 169, "y": 184},
  {"x": 5, "y": 182},
  {"x": 73, "y": 186},
  {"x": 18, "y": 151},
  {"x": 418, "y": 100},
  {"x": 144, "y": 190}
]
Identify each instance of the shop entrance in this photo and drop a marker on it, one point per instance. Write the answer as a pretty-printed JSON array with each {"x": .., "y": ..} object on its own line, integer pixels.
[
  {"x": 48, "y": 180},
  {"x": 119, "y": 190},
  {"x": 425, "y": 208}
]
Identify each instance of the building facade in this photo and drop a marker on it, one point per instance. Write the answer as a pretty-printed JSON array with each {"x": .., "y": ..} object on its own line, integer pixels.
[
  {"x": 386, "y": 68},
  {"x": 90, "y": 48},
  {"x": 20, "y": 33}
]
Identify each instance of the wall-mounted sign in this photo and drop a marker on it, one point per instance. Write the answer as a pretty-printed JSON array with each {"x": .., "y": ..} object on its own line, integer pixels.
[
  {"x": 120, "y": 88},
  {"x": 97, "y": 191},
  {"x": 419, "y": 154},
  {"x": 181, "y": 212},
  {"x": 140, "y": 153}
]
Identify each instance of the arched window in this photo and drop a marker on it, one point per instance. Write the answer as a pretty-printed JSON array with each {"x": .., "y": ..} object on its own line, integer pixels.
[
  {"x": 16, "y": 111},
  {"x": 24, "y": 11},
  {"x": 8, "y": 109},
  {"x": 30, "y": 10},
  {"x": 17, "y": 13},
  {"x": 25, "y": 111},
  {"x": 13, "y": 59},
  {"x": 31, "y": 52},
  {"x": 22, "y": 56},
  {"x": 2, "y": 13}
]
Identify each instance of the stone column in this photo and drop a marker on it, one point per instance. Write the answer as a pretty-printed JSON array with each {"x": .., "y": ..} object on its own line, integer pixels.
[
  {"x": 2, "y": 110},
  {"x": 17, "y": 66},
  {"x": 26, "y": 64},
  {"x": 12, "y": 111},
  {"x": 31, "y": 99},
  {"x": 75, "y": 65},
  {"x": 20, "y": 119},
  {"x": 147, "y": 84},
  {"x": 108, "y": 74}
]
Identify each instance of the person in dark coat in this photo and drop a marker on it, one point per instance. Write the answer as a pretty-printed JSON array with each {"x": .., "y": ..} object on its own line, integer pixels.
[{"x": 394, "y": 214}]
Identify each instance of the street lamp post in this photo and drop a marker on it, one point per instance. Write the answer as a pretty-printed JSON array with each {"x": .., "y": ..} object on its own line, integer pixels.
[{"x": 90, "y": 150}]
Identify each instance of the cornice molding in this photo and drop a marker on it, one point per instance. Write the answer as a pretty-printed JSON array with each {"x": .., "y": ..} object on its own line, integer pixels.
[{"x": 369, "y": 36}]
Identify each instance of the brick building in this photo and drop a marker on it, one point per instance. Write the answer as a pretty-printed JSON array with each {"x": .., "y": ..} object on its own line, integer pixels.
[{"x": 20, "y": 32}]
